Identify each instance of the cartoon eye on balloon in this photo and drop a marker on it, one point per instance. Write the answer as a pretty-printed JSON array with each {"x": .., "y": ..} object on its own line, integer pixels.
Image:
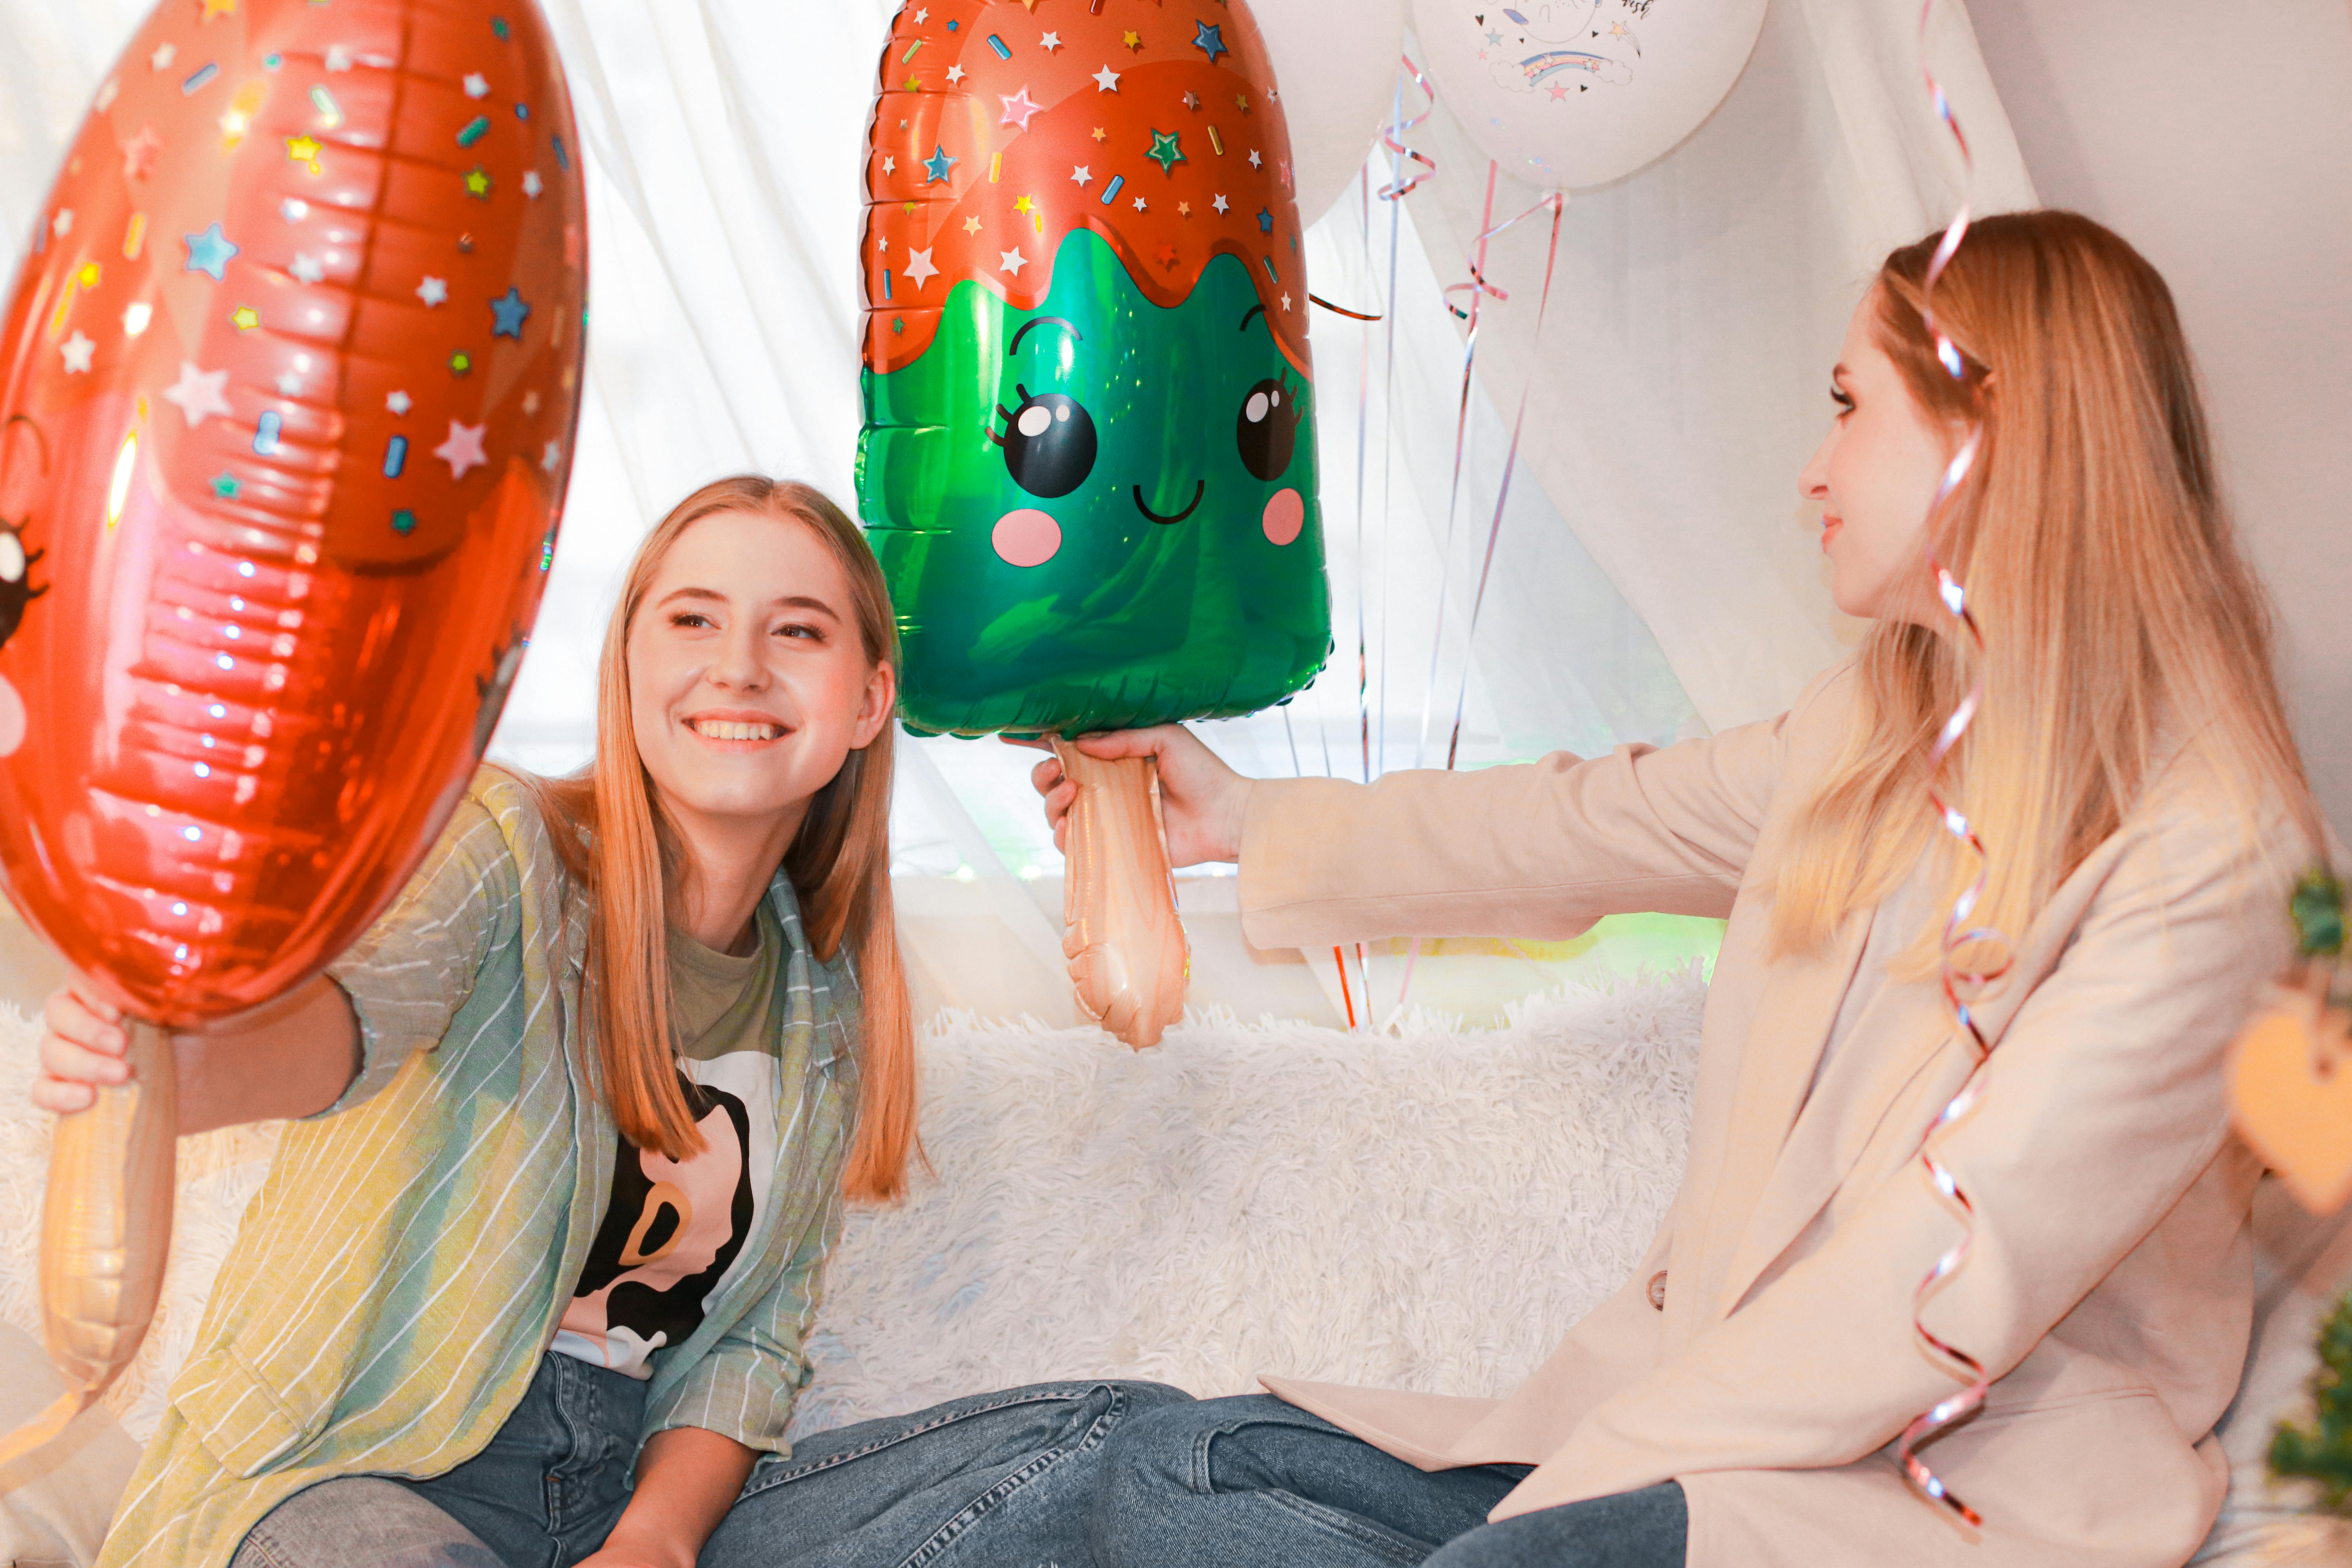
[
  {"x": 16, "y": 590},
  {"x": 1049, "y": 441},
  {"x": 16, "y": 567},
  {"x": 1266, "y": 429}
]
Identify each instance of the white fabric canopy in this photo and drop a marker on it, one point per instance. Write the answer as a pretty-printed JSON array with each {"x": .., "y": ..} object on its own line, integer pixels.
[{"x": 1653, "y": 575}]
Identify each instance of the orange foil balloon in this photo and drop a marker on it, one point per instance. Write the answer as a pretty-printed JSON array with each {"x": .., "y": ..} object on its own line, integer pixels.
[{"x": 291, "y": 380}]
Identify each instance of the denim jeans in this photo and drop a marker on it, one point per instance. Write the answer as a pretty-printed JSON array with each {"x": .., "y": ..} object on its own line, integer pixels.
[
  {"x": 1251, "y": 1481},
  {"x": 996, "y": 1481}
]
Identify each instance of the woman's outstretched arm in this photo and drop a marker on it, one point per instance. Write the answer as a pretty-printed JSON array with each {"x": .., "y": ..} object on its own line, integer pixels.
[
  {"x": 291, "y": 1057},
  {"x": 1536, "y": 850}
]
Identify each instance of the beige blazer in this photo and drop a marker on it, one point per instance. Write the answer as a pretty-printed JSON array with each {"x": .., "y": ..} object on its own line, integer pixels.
[{"x": 2110, "y": 1290}]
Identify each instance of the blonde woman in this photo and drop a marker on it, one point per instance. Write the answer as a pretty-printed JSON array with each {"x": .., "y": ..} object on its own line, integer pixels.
[
  {"x": 533, "y": 1286},
  {"x": 1738, "y": 1401}
]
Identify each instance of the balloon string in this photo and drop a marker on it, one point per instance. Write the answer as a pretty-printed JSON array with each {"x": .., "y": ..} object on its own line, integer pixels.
[
  {"x": 1479, "y": 288},
  {"x": 1363, "y": 440},
  {"x": 1959, "y": 981},
  {"x": 1556, "y": 204},
  {"x": 1393, "y": 192},
  {"x": 1557, "y": 201}
]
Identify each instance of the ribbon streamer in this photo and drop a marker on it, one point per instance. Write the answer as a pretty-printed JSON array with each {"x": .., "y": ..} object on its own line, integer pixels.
[{"x": 1959, "y": 981}]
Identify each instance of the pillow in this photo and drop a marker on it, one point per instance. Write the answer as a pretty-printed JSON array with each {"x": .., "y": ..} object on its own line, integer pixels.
[{"x": 55, "y": 1503}]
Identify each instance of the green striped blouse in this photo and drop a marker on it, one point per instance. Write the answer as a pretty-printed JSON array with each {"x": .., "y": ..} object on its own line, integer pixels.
[{"x": 403, "y": 1269}]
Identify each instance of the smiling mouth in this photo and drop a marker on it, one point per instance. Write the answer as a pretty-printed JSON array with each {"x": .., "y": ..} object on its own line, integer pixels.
[
  {"x": 1199, "y": 487},
  {"x": 734, "y": 730}
]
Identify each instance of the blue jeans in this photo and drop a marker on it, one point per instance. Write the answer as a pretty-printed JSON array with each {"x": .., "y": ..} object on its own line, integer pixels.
[
  {"x": 997, "y": 1481},
  {"x": 1251, "y": 1481}
]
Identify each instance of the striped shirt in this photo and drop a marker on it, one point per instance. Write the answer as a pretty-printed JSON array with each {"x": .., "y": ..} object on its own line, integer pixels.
[{"x": 405, "y": 1265}]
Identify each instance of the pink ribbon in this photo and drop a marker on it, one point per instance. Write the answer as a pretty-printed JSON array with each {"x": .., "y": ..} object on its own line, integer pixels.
[{"x": 1959, "y": 981}]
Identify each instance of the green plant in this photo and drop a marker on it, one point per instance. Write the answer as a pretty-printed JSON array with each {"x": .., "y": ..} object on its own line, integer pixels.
[{"x": 2322, "y": 1451}]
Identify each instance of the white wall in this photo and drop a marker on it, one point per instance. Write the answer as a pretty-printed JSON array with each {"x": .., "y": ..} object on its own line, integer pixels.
[{"x": 2219, "y": 140}]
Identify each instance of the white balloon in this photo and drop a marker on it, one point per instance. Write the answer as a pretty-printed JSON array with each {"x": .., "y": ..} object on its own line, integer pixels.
[
  {"x": 1334, "y": 64},
  {"x": 1570, "y": 93}
]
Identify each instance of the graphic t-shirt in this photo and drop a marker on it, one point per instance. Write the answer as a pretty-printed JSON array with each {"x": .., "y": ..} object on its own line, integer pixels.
[{"x": 673, "y": 1230}]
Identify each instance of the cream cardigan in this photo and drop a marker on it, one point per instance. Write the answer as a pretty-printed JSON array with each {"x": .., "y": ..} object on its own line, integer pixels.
[{"x": 2110, "y": 1290}]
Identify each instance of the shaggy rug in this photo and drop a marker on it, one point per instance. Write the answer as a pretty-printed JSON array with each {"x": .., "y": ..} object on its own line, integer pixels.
[{"x": 1429, "y": 1209}]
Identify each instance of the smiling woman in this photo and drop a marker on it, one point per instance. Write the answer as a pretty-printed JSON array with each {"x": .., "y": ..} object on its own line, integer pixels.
[
  {"x": 609, "y": 1068},
  {"x": 743, "y": 694}
]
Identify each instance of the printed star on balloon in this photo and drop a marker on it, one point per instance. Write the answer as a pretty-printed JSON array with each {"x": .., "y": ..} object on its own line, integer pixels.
[{"x": 997, "y": 143}]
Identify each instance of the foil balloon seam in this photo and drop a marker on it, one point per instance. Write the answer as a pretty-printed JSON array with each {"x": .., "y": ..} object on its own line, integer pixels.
[{"x": 1959, "y": 981}]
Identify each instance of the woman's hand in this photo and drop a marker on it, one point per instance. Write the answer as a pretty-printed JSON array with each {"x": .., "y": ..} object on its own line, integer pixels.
[
  {"x": 645, "y": 1556},
  {"x": 84, "y": 1047},
  {"x": 292, "y": 1057},
  {"x": 686, "y": 1481},
  {"x": 1200, "y": 799}
]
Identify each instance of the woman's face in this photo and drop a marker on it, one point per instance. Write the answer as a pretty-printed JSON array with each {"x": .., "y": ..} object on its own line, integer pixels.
[
  {"x": 1874, "y": 474},
  {"x": 748, "y": 679}
]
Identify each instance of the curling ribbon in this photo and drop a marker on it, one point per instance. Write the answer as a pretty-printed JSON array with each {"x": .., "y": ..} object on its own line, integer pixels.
[
  {"x": 1959, "y": 981},
  {"x": 1400, "y": 186}
]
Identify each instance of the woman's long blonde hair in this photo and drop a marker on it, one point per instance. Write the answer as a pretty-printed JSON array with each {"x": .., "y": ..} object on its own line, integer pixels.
[
  {"x": 2100, "y": 562},
  {"x": 609, "y": 829}
]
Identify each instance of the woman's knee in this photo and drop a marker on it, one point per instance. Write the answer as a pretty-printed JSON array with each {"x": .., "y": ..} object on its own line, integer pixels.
[
  {"x": 1140, "y": 1398},
  {"x": 1645, "y": 1528},
  {"x": 360, "y": 1522},
  {"x": 1166, "y": 1447}
]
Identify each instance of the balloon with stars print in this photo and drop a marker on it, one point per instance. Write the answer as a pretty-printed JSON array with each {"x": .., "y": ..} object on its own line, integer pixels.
[
  {"x": 263, "y": 610},
  {"x": 1087, "y": 465}
]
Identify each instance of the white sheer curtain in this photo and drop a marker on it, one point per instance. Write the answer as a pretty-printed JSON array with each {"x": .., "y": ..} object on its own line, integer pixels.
[{"x": 1653, "y": 575}]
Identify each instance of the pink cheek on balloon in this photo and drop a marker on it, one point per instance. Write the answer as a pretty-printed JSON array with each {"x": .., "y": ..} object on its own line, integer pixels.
[
  {"x": 1026, "y": 537},
  {"x": 1286, "y": 514},
  {"x": 12, "y": 719}
]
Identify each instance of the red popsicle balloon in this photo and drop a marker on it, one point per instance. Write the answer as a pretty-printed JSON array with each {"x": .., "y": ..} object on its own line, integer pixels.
[
  {"x": 287, "y": 391},
  {"x": 291, "y": 384}
]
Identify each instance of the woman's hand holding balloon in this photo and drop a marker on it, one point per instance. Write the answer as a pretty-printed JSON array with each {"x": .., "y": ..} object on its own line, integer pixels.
[
  {"x": 1200, "y": 799},
  {"x": 83, "y": 1044},
  {"x": 292, "y": 1058}
]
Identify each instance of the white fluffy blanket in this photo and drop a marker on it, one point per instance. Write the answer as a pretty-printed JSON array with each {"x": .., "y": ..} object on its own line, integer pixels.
[{"x": 1426, "y": 1210}]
